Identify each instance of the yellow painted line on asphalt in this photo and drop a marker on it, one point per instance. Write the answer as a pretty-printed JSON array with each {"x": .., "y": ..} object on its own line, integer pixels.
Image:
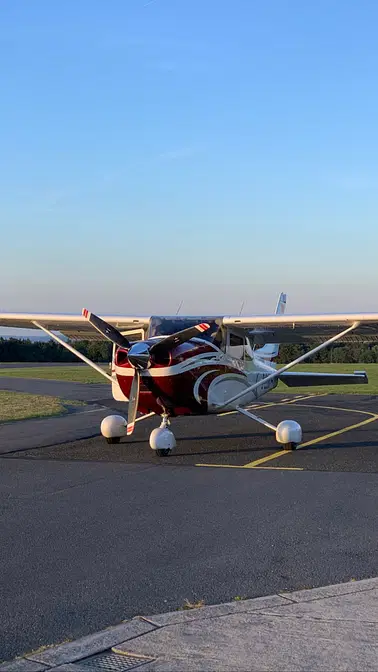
[
  {"x": 221, "y": 466},
  {"x": 340, "y": 431},
  {"x": 242, "y": 466},
  {"x": 220, "y": 415},
  {"x": 273, "y": 456},
  {"x": 304, "y": 398},
  {"x": 267, "y": 404},
  {"x": 324, "y": 437},
  {"x": 281, "y": 468},
  {"x": 267, "y": 458},
  {"x": 340, "y": 408},
  {"x": 293, "y": 400},
  {"x": 256, "y": 464}
]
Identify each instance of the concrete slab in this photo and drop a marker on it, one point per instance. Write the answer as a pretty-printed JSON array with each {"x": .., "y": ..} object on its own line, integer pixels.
[
  {"x": 339, "y": 632},
  {"x": 253, "y": 642},
  {"x": 71, "y": 667},
  {"x": 332, "y": 591},
  {"x": 216, "y": 610},
  {"x": 362, "y": 606},
  {"x": 22, "y": 665}
]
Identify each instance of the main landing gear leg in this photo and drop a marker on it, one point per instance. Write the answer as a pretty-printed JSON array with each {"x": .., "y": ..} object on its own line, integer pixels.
[
  {"x": 162, "y": 440},
  {"x": 288, "y": 432}
]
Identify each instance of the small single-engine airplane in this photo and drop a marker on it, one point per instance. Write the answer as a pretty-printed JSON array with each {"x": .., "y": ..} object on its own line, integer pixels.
[{"x": 173, "y": 366}]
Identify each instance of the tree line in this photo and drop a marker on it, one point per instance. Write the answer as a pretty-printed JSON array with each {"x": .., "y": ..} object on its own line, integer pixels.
[
  {"x": 341, "y": 353},
  {"x": 24, "y": 350}
]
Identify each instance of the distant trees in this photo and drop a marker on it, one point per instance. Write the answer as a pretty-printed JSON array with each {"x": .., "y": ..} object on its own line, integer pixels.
[
  {"x": 24, "y": 350},
  {"x": 340, "y": 353},
  {"x": 21, "y": 350}
]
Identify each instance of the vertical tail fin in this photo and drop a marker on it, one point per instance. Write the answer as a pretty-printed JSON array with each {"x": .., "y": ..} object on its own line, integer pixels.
[
  {"x": 281, "y": 305},
  {"x": 271, "y": 350}
]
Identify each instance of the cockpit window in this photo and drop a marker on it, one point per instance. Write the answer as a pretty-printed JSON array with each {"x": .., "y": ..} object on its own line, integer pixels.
[{"x": 165, "y": 326}]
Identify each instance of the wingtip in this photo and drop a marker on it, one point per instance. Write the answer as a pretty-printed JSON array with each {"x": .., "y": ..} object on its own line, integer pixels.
[
  {"x": 203, "y": 326},
  {"x": 85, "y": 312},
  {"x": 130, "y": 428}
]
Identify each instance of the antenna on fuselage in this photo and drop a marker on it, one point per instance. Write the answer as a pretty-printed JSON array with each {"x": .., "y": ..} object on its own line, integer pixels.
[
  {"x": 180, "y": 306},
  {"x": 241, "y": 308}
]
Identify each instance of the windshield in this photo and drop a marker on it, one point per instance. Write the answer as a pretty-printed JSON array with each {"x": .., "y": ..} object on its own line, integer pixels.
[{"x": 165, "y": 326}]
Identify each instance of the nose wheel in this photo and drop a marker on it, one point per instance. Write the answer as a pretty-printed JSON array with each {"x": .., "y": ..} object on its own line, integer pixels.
[
  {"x": 162, "y": 440},
  {"x": 290, "y": 446}
]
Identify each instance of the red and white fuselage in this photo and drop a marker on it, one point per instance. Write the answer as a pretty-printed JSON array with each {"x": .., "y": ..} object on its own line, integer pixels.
[{"x": 197, "y": 378}]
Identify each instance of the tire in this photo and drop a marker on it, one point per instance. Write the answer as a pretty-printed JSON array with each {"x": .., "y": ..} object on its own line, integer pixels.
[
  {"x": 163, "y": 452},
  {"x": 290, "y": 446},
  {"x": 113, "y": 439}
]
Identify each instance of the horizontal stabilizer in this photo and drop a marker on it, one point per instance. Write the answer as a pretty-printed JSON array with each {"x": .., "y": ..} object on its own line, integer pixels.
[{"x": 304, "y": 379}]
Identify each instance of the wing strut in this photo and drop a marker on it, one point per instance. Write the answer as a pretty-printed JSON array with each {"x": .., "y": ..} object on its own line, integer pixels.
[
  {"x": 277, "y": 373},
  {"x": 75, "y": 352},
  {"x": 243, "y": 411}
]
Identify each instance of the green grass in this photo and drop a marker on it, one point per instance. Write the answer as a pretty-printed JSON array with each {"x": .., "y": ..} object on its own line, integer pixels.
[
  {"x": 84, "y": 374},
  {"x": 371, "y": 388},
  {"x": 75, "y": 374},
  {"x": 21, "y": 406}
]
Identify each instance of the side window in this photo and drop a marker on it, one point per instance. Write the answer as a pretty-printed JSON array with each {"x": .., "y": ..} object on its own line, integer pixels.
[
  {"x": 236, "y": 340},
  {"x": 235, "y": 345}
]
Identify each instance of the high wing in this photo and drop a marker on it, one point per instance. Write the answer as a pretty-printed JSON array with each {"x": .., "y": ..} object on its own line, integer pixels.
[
  {"x": 75, "y": 327},
  {"x": 305, "y": 328},
  {"x": 261, "y": 328}
]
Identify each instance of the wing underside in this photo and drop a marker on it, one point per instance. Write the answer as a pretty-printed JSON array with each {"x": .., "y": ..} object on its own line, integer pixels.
[
  {"x": 306, "y": 328},
  {"x": 261, "y": 329},
  {"x": 74, "y": 327}
]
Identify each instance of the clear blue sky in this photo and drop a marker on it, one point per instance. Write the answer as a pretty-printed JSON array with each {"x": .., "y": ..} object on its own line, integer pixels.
[{"x": 205, "y": 150}]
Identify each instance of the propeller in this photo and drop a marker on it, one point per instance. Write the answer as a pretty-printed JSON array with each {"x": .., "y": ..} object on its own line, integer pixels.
[
  {"x": 111, "y": 333},
  {"x": 141, "y": 355},
  {"x": 164, "y": 347},
  {"x": 140, "y": 359},
  {"x": 133, "y": 402}
]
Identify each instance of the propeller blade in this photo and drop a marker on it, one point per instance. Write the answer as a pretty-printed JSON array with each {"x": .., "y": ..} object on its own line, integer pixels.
[
  {"x": 133, "y": 402},
  {"x": 162, "y": 348},
  {"x": 111, "y": 333}
]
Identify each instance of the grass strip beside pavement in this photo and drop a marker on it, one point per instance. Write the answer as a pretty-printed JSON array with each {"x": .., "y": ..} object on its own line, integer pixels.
[
  {"x": 73, "y": 374},
  {"x": 84, "y": 374},
  {"x": 370, "y": 388},
  {"x": 23, "y": 406}
]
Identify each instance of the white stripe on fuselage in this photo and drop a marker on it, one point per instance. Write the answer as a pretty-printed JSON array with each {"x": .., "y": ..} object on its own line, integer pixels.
[
  {"x": 252, "y": 370},
  {"x": 177, "y": 369}
]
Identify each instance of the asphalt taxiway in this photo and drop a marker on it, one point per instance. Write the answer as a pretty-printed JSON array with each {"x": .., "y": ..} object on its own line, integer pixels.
[
  {"x": 96, "y": 533},
  {"x": 340, "y": 433}
]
